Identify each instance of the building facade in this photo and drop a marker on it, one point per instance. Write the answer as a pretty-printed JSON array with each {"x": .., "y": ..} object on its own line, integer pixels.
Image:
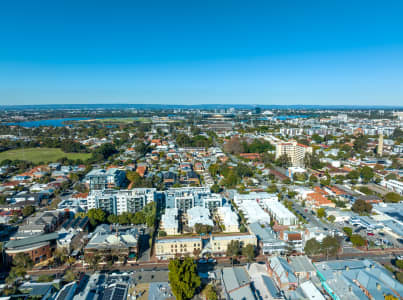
[
  {"x": 120, "y": 201},
  {"x": 295, "y": 152}
]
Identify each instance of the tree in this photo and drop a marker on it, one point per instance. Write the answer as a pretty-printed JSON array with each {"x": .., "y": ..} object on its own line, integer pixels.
[
  {"x": 357, "y": 240},
  {"x": 106, "y": 150},
  {"x": 312, "y": 161},
  {"x": 233, "y": 250},
  {"x": 321, "y": 212},
  {"x": 367, "y": 173},
  {"x": 348, "y": 231},
  {"x": 249, "y": 252},
  {"x": 299, "y": 177},
  {"x": 96, "y": 216},
  {"x": 210, "y": 292},
  {"x": 21, "y": 263},
  {"x": 330, "y": 245},
  {"x": 360, "y": 143},
  {"x": 242, "y": 228},
  {"x": 391, "y": 297},
  {"x": 202, "y": 228},
  {"x": 353, "y": 175},
  {"x": 92, "y": 260},
  {"x": 113, "y": 219},
  {"x": 331, "y": 218},
  {"x": 69, "y": 276},
  {"x": 391, "y": 176},
  {"x": 399, "y": 264},
  {"x": 391, "y": 197},
  {"x": 360, "y": 207},
  {"x": 23, "y": 260},
  {"x": 45, "y": 278},
  {"x": 215, "y": 188},
  {"x": 183, "y": 278},
  {"x": 233, "y": 146},
  {"x": 312, "y": 247},
  {"x": 28, "y": 210},
  {"x": 283, "y": 161},
  {"x": 313, "y": 179},
  {"x": 141, "y": 148}
]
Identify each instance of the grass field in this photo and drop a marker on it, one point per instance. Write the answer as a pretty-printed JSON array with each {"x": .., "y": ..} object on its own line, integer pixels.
[{"x": 41, "y": 154}]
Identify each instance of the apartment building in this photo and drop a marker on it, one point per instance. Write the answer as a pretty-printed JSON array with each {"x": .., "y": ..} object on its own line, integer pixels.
[
  {"x": 279, "y": 212},
  {"x": 295, "y": 151},
  {"x": 216, "y": 245},
  {"x": 219, "y": 242},
  {"x": 188, "y": 197},
  {"x": 171, "y": 247},
  {"x": 120, "y": 201},
  {"x": 170, "y": 221},
  {"x": 100, "y": 179},
  {"x": 393, "y": 185},
  {"x": 228, "y": 219}
]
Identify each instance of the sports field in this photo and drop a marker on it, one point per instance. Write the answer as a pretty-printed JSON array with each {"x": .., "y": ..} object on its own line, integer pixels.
[{"x": 41, "y": 154}]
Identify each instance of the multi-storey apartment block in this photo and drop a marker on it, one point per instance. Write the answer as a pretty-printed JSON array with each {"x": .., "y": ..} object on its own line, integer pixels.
[
  {"x": 120, "y": 201},
  {"x": 295, "y": 151}
]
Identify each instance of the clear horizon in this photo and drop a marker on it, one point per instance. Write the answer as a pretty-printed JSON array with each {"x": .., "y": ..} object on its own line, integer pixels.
[{"x": 231, "y": 53}]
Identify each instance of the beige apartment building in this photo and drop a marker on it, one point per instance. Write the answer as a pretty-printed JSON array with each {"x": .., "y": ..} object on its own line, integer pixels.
[
  {"x": 219, "y": 242},
  {"x": 215, "y": 245},
  {"x": 295, "y": 151},
  {"x": 171, "y": 247}
]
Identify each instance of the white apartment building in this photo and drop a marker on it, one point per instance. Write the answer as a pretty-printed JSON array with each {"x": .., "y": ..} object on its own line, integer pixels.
[
  {"x": 257, "y": 197},
  {"x": 279, "y": 212},
  {"x": 228, "y": 218},
  {"x": 199, "y": 215},
  {"x": 253, "y": 212},
  {"x": 187, "y": 197},
  {"x": 170, "y": 221},
  {"x": 393, "y": 185},
  {"x": 295, "y": 151},
  {"x": 120, "y": 201}
]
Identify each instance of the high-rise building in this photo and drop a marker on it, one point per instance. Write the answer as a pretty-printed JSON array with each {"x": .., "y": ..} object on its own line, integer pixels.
[
  {"x": 380, "y": 145},
  {"x": 295, "y": 152}
]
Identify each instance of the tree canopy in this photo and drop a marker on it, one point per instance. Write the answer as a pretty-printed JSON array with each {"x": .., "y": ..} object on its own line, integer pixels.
[
  {"x": 360, "y": 207},
  {"x": 183, "y": 278}
]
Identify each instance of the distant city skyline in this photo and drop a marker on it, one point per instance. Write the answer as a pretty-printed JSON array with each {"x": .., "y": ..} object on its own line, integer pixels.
[{"x": 210, "y": 52}]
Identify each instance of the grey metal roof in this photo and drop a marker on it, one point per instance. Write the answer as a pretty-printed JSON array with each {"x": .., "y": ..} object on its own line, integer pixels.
[
  {"x": 243, "y": 293},
  {"x": 235, "y": 278},
  {"x": 32, "y": 240},
  {"x": 301, "y": 264},
  {"x": 271, "y": 287},
  {"x": 263, "y": 234}
]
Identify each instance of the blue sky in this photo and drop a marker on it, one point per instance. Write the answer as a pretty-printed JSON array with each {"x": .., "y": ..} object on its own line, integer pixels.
[{"x": 195, "y": 52}]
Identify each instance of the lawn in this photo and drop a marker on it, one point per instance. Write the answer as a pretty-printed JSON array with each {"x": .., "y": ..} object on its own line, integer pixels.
[{"x": 40, "y": 154}]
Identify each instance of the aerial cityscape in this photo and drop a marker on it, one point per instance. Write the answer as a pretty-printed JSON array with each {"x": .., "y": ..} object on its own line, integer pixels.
[{"x": 212, "y": 150}]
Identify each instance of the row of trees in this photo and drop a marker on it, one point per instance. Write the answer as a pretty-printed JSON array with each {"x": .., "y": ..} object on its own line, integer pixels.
[
  {"x": 234, "y": 250},
  {"x": 356, "y": 239},
  {"x": 183, "y": 140},
  {"x": 147, "y": 216},
  {"x": 232, "y": 175},
  {"x": 329, "y": 246},
  {"x": 237, "y": 145}
]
